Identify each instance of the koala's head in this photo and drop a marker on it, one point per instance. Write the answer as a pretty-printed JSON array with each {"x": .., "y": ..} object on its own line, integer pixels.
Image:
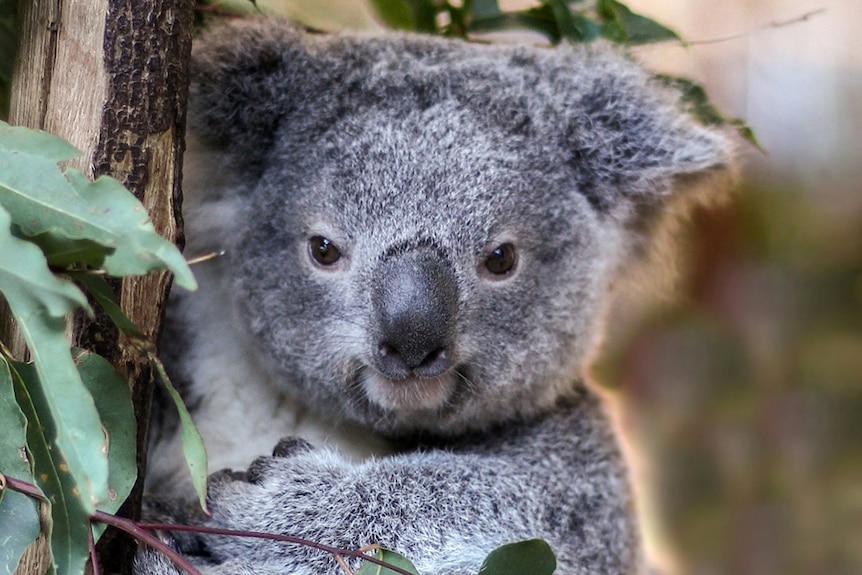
[{"x": 427, "y": 230}]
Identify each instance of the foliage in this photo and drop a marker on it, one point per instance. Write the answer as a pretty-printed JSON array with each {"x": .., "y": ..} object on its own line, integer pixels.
[
  {"x": 390, "y": 557},
  {"x": 69, "y": 412},
  {"x": 532, "y": 556},
  {"x": 573, "y": 21},
  {"x": 19, "y": 520}
]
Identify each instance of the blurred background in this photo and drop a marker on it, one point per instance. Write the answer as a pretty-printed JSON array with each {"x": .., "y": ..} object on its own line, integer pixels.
[
  {"x": 743, "y": 404},
  {"x": 740, "y": 396}
]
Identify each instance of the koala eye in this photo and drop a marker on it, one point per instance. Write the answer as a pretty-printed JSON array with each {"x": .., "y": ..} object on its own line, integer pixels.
[
  {"x": 323, "y": 251},
  {"x": 501, "y": 260}
]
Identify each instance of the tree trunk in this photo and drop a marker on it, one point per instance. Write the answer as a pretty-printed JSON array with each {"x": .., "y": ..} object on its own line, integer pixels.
[{"x": 111, "y": 77}]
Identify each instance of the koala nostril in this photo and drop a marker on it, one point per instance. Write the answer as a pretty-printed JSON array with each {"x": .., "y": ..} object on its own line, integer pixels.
[
  {"x": 391, "y": 361},
  {"x": 434, "y": 363},
  {"x": 399, "y": 366}
]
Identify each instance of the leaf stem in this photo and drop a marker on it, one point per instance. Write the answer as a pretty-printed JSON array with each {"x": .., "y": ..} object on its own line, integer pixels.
[
  {"x": 21, "y": 487},
  {"x": 94, "y": 559},
  {"x": 273, "y": 537},
  {"x": 771, "y": 26},
  {"x": 144, "y": 536}
]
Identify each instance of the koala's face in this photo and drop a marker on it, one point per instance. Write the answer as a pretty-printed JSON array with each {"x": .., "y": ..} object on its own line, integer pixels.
[
  {"x": 421, "y": 271},
  {"x": 431, "y": 227}
]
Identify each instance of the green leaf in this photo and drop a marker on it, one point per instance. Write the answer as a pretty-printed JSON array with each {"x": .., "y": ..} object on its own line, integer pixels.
[
  {"x": 26, "y": 280},
  {"x": 424, "y": 15},
  {"x": 394, "y": 13},
  {"x": 62, "y": 252},
  {"x": 484, "y": 9},
  {"x": 539, "y": 19},
  {"x": 39, "y": 301},
  {"x": 41, "y": 199},
  {"x": 391, "y": 557},
  {"x": 193, "y": 446},
  {"x": 562, "y": 16},
  {"x": 624, "y": 26},
  {"x": 19, "y": 527},
  {"x": 14, "y": 460},
  {"x": 102, "y": 293},
  {"x": 586, "y": 29},
  {"x": 19, "y": 515},
  {"x": 747, "y": 133},
  {"x": 529, "y": 557},
  {"x": 68, "y": 530},
  {"x": 113, "y": 399},
  {"x": 695, "y": 101}
]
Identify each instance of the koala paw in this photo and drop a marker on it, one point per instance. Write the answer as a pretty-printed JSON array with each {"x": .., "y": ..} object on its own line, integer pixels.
[{"x": 299, "y": 491}]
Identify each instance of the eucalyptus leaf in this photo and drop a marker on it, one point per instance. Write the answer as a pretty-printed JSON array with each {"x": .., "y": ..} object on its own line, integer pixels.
[
  {"x": 193, "y": 445},
  {"x": 70, "y": 512},
  {"x": 40, "y": 198},
  {"x": 391, "y": 557},
  {"x": 62, "y": 252},
  {"x": 562, "y": 16},
  {"x": 587, "y": 30},
  {"x": 110, "y": 390},
  {"x": 394, "y": 13},
  {"x": 696, "y": 102},
  {"x": 624, "y": 26},
  {"x": 529, "y": 557},
  {"x": 538, "y": 19},
  {"x": 39, "y": 301},
  {"x": 14, "y": 461},
  {"x": 27, "y": 282},
  {"x": 19, "y": 515},
  {"x": 484, "y": 9},
  {"x": 424, "y": 14},
  {"x": 102, "y": 293},
  {"x": 19, "y": 527}
]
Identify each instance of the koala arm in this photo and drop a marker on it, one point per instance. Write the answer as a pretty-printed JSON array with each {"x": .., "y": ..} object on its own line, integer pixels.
[{"x": 443, "y": 508}]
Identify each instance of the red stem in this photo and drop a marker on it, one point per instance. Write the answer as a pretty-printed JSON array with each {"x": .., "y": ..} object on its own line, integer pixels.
[
  {"x": 135, "y": 531},
  {"x": 23, "y": 487},
  {"x": 273, "y": 537},
  {"x": 94, "y": 559},
  {"x": 140, "y": 532}
]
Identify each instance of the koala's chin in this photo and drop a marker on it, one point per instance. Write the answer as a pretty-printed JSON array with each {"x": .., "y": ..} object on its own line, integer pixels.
[{"x": 409, "y": 395}]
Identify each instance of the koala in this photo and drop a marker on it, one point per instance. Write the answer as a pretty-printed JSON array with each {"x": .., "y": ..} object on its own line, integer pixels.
[{"x": 422, "y": 238}]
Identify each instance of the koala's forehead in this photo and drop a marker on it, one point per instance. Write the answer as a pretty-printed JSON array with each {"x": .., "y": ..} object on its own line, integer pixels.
[{"x": 434, "y": 172}]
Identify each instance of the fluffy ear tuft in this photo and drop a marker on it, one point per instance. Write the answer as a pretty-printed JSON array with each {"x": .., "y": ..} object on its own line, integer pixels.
[
  {"x": 630, "y": 142},
  {"x": 242, "y": 81}
]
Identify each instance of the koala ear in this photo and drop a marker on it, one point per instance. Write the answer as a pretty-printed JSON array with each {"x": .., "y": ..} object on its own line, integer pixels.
[
  {"x": 633, "y": 146},
  {"x": 244, "y": 79}
]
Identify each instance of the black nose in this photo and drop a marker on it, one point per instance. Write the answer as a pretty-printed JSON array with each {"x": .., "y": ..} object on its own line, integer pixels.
[{"x": 415, "y": 298}]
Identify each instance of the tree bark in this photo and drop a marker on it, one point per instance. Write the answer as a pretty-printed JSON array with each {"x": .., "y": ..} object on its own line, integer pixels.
[{"x": 111, "y": 77}]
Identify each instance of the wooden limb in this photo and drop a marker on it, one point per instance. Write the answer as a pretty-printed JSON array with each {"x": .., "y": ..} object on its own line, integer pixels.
[{"x": 111, "y": 77}]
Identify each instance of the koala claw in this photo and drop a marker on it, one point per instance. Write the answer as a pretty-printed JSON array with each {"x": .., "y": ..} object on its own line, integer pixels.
[{"x": 289, "y": 446}]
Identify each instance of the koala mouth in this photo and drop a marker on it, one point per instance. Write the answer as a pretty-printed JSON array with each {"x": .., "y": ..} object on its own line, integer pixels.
[{"x": 411, "y": 394}]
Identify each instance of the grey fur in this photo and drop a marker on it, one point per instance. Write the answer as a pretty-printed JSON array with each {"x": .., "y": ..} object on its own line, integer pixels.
[{"x": 416, "y": 157}]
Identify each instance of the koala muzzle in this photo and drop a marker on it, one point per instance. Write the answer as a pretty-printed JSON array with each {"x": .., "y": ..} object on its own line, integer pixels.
[{"x": 415, "y": 298}]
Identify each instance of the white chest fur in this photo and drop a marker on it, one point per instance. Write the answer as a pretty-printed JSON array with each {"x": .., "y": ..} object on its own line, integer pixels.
[{"x": 238, "y": 408}]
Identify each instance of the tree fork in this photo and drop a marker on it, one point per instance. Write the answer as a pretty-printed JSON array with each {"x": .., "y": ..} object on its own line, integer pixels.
[{"x": 111, "y": 77}]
